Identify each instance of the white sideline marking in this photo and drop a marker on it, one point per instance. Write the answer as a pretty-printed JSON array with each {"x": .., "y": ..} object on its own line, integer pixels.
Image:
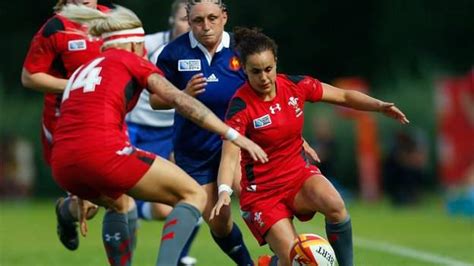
[{"x": 408, "y": 252}]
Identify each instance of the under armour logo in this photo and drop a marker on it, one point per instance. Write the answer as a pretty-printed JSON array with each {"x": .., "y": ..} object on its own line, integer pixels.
[
  {"x": 275, "y": 108},
  {"x": 115, "y": 237}
]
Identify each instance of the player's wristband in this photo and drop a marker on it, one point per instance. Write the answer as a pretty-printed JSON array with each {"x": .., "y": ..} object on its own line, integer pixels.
[
  {"x": 231, "y": 134},
  {"x": 225, "y": 188}
]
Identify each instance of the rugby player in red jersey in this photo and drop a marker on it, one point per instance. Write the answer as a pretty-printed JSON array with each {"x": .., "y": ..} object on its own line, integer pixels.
[
  {"x": 92, "y": 156},
  {"x": 269, "y": 109},
  {"x": 56, "y": 50}
]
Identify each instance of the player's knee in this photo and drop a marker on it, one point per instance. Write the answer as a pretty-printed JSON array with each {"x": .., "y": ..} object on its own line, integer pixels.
[
  {"x": 221, "y": 225},
  {"x": 117, "y": 205},
  {"x": 336, "y": 209},
  {"x": 197, "y": 197},
  {"x": 160, "y": 211}
]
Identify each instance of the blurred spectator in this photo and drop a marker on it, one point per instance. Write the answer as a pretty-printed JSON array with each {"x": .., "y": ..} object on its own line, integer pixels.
[
  {"x": 460, "y": 200},
  {"x": 404, "y": 167},
  {"x": 17, "y": 171},
  {"x": 324, "y": 142},
  {"x": 455, "y": 106}
]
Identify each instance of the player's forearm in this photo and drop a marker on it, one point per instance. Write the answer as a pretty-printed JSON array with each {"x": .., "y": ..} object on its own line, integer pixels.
[
  {"x": 351, "y": 98},
  {"x": 197, "y": 112},
  {"x": 186, "y": 105},
  {"x": 228, "y": 164},
  {"x": 43, "y": 82},
  {"x": 363, "y": 102},
  {"x": 157, "y": 104}
]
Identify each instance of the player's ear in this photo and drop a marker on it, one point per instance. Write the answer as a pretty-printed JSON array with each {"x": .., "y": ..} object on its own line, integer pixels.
[
  {"x": 171, "y": 22},
  {"x": 138, "y": 48},
  {"x": 224, "y": 15}
]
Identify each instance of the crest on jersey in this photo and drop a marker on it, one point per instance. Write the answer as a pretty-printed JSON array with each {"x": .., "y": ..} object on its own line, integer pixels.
[
  {"x": 262, "y": 121},
  {"x": 234, "y": 63},
  {"x": 189, "y": 65},
  {"x": 293, "y": 102},
  {"x": 77, "y": 45}
]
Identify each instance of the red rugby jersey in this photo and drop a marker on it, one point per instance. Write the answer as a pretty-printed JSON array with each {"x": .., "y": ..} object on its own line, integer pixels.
[
  {"x": 98, "y": 96},
  {"x": 276, "y": 126},
  {"x": 58, "y": 49}
]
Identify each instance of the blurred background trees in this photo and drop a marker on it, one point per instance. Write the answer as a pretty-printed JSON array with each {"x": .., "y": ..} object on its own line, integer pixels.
[{"x": 401, "y": 48}]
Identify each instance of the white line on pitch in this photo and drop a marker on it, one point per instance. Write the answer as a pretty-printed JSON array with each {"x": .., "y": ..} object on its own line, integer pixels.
[{"x": 408, "y": 252}]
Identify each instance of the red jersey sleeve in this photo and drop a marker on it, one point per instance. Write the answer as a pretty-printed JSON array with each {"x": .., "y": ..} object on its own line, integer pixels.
[
  {"x": 312, "y": 88},
  {"x": 43, "y": 49},
  {"x": 141, "y": 69},
  {"x": 236, "y": 116}
]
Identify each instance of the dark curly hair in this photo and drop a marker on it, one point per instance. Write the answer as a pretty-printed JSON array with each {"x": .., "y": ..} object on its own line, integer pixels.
[{"x": 253, "y": 41}]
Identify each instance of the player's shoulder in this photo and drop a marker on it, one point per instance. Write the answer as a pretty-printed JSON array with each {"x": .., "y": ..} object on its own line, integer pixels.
[
  {"x": 58, "y": 24},
  {"x": 181, "y": 43},
  {"x": 53, "y": 25},
  {"x": 236, "y": 105},
  {"x": 292, "y": 79}
]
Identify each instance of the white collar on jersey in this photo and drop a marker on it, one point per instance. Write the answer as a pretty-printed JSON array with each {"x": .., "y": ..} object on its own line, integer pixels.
[{"x": 225, "y": 43}]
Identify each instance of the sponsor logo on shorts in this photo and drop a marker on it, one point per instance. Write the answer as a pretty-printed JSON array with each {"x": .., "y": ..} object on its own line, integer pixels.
[
  {"x": 189, "y": 65},
  {"x": 251, "y": 188},
  {"x": 77, "y": 45},
  {"x": 257, "y": 217},
  {"x": 262, "y": 121},
  {"x": 126, "y": 151}
]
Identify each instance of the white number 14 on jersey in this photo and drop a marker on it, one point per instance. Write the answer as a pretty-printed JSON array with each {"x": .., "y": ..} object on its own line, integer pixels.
[{"x": 88, "y": 78}]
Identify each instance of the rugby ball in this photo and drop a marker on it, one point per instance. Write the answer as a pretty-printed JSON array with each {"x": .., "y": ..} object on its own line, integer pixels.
[{"x": 312, "y": 250}]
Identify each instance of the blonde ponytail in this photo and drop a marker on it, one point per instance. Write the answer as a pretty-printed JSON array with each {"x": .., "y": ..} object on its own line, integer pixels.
[{"x": 117, "y": 19}]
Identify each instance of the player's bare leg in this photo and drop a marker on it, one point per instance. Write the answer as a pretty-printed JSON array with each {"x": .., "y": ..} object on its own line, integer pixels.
[
  {"x": 280, "y": 237},
  {"x": 224, "y": 231},
  {"x": 167, "y": 183},
  {"x": 319, "y": 195}
]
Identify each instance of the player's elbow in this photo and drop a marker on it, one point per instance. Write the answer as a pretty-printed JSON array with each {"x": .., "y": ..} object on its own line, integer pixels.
[
  {"x": 159, "y": 98},
  {"x": 29, "y": 80},
  {"x": 26, "y": 80},
  {"x": 157, "y": 103}
]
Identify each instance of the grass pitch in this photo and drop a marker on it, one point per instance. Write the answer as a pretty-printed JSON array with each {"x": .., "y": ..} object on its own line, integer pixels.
[{"x": 383, "y": 235}]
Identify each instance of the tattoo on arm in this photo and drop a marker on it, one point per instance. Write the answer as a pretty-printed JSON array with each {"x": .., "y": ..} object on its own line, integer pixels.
[
  {"x": 183, "y": 103},
  {"x": 191, "y": 108}
]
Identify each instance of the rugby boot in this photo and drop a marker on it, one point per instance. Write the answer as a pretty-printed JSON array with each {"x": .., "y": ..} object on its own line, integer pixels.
[{"x": 67, "y": 231}]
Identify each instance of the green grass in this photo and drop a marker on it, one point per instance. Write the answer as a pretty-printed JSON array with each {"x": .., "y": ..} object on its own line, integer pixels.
[{"x": 27, "y": 236}]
